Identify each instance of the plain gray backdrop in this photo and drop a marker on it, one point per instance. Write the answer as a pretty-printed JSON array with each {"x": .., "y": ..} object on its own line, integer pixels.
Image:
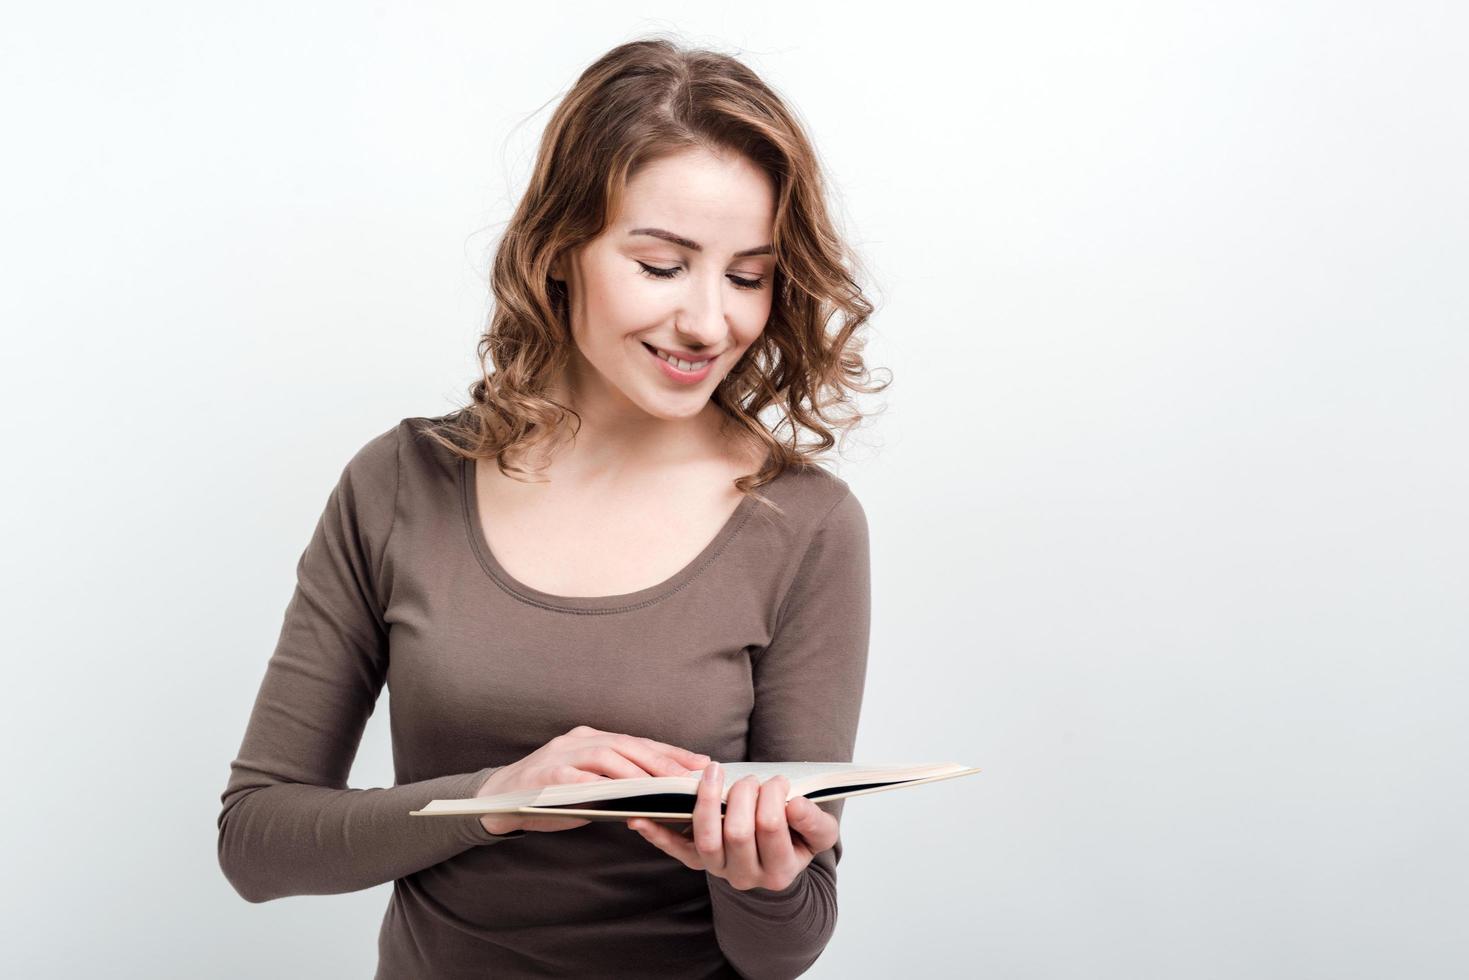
[{"x": 1167, "y": 499}]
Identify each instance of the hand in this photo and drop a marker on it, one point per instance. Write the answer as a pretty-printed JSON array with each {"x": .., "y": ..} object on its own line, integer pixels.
[
  {"x": 582, "y": 755},
  {"x": 763, "y": 841}
]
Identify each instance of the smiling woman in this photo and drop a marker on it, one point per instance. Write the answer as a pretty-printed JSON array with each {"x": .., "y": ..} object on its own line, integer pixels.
[
  {"x": 676, "y": 204},
  {"x": 694, "y": 307},
  {"x": 669, "y": 281}
]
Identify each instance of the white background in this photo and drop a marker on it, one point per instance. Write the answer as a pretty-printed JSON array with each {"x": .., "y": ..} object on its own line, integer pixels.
[{"x": 1167, "y": 503}]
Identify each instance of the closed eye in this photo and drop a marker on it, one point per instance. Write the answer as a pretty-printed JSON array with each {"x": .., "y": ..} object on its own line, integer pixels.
[{"x": 654, "y": 272}]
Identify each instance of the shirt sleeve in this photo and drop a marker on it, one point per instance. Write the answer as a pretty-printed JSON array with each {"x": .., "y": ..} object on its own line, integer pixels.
[
  {"x": 808, "y": 696},
  {"x": 289, "y": 825}
]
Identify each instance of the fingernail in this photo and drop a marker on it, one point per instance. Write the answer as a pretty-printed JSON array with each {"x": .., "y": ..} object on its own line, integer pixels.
[{"x": 711, "y": 771}]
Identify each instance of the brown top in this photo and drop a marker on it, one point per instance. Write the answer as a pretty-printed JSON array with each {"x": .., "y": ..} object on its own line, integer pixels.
[{"x": 754, "y": 651}]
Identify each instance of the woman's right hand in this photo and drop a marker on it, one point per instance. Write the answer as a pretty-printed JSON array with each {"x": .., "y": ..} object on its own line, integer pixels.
[{"x": 582, "y": 755}]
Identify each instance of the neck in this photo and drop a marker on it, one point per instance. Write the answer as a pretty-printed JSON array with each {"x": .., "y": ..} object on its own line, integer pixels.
[{"x": 617, "y": 437}]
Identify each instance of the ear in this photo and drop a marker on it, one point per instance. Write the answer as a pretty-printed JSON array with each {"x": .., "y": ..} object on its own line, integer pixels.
[{"x": 558, "y": 269}]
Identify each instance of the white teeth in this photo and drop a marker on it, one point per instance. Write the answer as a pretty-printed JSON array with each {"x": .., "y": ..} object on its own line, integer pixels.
[{"x": 682, "y": 365}]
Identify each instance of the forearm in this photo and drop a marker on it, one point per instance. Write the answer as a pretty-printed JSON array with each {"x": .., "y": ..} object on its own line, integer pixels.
[{"x": 280, "y": 839}]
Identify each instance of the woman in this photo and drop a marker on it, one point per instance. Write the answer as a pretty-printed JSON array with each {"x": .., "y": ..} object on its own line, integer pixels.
[{"x": 647, "y": 579}]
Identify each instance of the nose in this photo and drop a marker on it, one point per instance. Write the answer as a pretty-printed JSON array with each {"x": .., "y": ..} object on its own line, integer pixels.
[{"x": 701, "y": 318}]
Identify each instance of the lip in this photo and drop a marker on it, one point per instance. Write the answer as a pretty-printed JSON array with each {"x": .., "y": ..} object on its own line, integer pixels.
[{"x": 672, "y": 372}]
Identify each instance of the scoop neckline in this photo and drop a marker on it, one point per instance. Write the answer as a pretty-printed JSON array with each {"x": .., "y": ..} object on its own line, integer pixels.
[{"x": 468, "y": 478}]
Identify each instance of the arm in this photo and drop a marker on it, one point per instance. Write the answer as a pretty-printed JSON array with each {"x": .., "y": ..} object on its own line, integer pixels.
[
  {"x": 289, "y": 825},
  {"x": 808, "y": 695}
]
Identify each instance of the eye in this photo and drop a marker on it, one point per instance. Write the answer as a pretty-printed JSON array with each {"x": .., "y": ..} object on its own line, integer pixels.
[{"x": 655, "y": 272}]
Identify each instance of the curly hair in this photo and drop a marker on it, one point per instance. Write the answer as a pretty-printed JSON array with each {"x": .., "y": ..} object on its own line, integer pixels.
[{"x": 639, "y": 102}]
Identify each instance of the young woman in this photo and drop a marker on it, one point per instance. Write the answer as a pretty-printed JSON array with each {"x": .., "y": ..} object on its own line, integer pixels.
[{"x": 607, "y": 565}]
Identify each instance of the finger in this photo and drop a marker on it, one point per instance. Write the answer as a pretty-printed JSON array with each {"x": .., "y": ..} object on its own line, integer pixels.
[
  {"x": 653, "y": 758},
  {"x": 684, "y": 759},
  {"x": 575, "y": 775},
  {"x": 568, "y": 774},
  {"x": 818, "y": 829},
  {"x": 741, "y": 855},
  {"x": 708, "y": 821},
  {"x": 609, "y": 761},
  {"x": 772, "y": 829},
  {"x": 668, "y": 840}
]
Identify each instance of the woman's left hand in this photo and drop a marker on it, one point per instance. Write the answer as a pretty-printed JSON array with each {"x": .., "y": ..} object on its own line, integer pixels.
[{"x": 763, "y": 840}]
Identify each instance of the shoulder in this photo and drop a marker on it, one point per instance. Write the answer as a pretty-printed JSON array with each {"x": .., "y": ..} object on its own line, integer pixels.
[
  {"x": 821, "y": 518},
  {"x": 829, "y": 550},
  {"x": 373, "y": 466},
  {"x": 406, "y": 447},
  {"x": 364, "y": 500},
  {"x": 402, "y": 454},
  {"x": 815, "y": 496},
  {"x": 841, "y": 521}
]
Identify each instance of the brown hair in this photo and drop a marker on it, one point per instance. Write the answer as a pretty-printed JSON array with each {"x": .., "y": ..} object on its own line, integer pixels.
[{"x": 641, "y": 101}]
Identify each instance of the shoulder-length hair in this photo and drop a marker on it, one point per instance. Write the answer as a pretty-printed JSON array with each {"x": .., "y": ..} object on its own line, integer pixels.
[{"x": 639, "y": 102}]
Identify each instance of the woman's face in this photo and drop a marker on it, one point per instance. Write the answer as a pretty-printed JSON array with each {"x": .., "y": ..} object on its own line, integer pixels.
[{"x": 685, "y": 267}]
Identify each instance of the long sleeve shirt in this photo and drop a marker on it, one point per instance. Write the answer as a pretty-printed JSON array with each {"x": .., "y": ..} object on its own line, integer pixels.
[{"x": 754, "y": 651}]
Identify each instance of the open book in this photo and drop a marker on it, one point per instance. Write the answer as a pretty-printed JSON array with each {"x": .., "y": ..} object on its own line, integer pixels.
[{"x": 672, "y": 798}]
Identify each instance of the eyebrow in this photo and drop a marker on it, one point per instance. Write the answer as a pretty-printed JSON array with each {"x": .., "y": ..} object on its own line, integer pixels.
[{"x": 669, "y": 236}]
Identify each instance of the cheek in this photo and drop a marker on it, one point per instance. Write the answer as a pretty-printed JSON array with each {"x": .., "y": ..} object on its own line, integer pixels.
[
  {"x": 619, "y": 304},
  {"x": 751, "y": 324}
]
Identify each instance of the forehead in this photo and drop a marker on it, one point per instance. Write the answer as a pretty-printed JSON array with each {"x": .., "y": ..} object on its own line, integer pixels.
[{"x": 719, "y": 201}]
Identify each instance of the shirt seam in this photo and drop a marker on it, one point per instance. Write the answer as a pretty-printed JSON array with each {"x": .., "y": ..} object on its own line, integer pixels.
[
  {"x": 392, "y": 519},
  {"x": 397, "y": 486}
]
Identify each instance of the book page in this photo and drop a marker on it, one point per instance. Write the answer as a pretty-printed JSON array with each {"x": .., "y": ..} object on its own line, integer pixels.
[{"x": 805, "y": 778}]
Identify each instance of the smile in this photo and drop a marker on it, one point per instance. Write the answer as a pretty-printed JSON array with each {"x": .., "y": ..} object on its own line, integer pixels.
[{"x": 684, "y": 372}]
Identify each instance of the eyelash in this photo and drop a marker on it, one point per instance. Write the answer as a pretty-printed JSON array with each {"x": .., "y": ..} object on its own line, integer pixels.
[{"x": 654, "y": 272}]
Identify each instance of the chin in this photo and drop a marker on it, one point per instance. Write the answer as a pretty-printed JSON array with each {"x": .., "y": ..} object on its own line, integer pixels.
[{"x": 674, "y": 409}]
